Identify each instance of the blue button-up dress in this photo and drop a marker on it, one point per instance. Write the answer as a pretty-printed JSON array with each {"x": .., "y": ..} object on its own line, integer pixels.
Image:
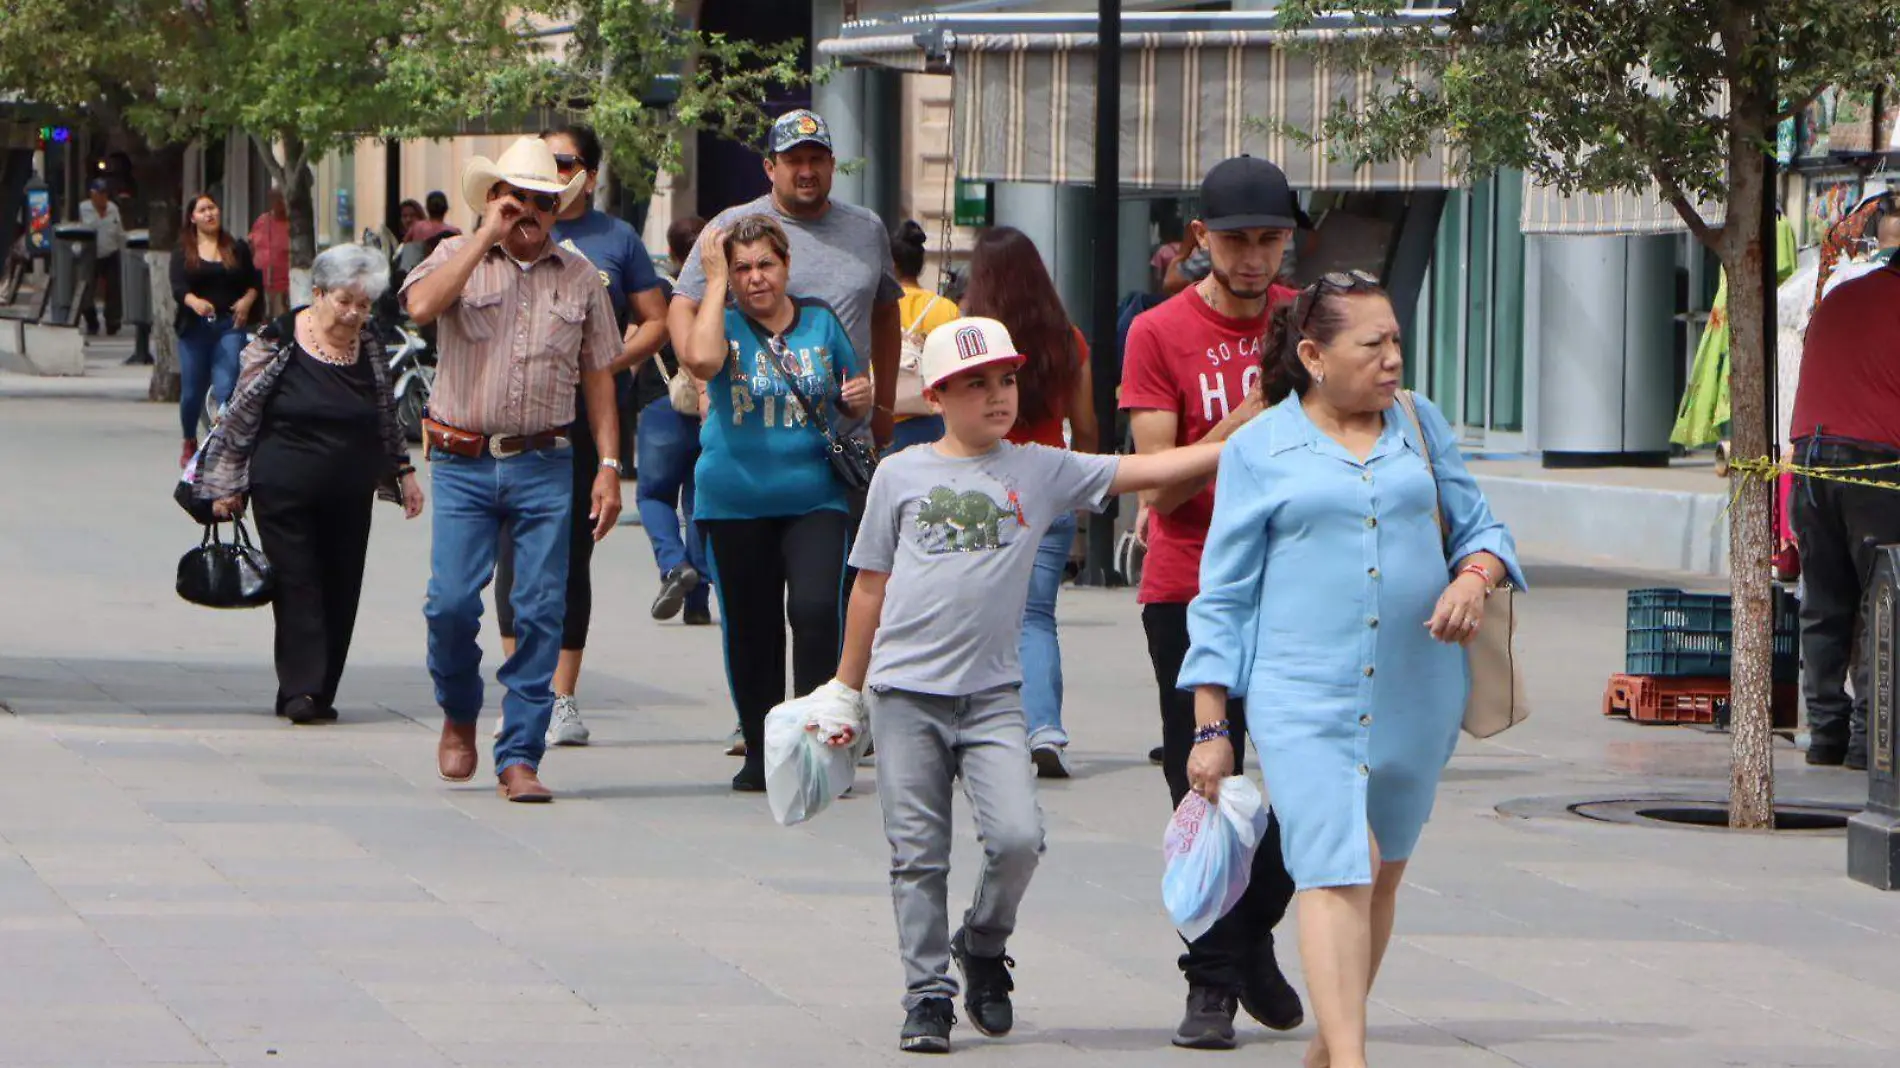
[{"x": 1320, "y": 573}]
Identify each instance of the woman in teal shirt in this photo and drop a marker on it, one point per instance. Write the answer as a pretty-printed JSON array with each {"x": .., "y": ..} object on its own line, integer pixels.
[{"x": 776, "y": 519}]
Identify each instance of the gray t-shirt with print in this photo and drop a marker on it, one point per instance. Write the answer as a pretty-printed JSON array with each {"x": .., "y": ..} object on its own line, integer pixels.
[
  {"x": 958, "y": 536},
  {"x": 843, "y": 258}
]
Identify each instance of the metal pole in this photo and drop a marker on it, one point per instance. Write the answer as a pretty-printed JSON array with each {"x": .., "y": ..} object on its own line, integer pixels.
[
  {"x": 1105, "y": 352},
  {"x": 1770, "y": 283}
]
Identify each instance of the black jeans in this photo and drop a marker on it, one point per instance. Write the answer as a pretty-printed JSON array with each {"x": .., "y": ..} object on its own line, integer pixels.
[
  {"x": 580, "y": 551},
  {"x": 316, "y": 545},
  {"x": 765, "y": 572},
  {"x": 1838, "y": 525},
  {"x": 1243, "y": 939}
]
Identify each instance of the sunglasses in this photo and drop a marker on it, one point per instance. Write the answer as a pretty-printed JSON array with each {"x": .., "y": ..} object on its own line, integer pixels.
[
  {"x": 568, "y": 163},
  {"x": 542, "y": 201},
  {"x": 1336, "y": 282}
]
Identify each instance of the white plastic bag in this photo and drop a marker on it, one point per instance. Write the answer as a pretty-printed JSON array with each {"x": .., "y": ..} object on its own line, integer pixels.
[
  {"x": 802, "y": 773},
  {"x": 1209, "y": 850}
]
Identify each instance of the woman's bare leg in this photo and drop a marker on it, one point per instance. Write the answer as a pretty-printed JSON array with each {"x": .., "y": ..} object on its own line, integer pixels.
[{"x": 1381, "y": 908}]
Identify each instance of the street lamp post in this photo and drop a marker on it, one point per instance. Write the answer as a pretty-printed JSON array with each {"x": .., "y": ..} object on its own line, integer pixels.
[{"x": 1105, "y": 217}]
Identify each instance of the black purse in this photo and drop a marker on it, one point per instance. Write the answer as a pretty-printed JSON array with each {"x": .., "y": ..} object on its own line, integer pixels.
[
  {"x": 853, "y": 459},
  {"x": 226, "y": 574}
]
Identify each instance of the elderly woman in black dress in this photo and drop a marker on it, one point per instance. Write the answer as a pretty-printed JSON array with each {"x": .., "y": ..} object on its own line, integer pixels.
[{"x": 310, "y": 439}]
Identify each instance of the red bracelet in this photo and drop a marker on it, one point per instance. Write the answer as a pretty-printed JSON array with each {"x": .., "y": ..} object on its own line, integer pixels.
[{"x": 1478, "y": 570}]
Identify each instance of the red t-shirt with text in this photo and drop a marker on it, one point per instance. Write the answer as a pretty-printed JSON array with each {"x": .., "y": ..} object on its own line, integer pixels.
[{"x": 1185, "y": 357}]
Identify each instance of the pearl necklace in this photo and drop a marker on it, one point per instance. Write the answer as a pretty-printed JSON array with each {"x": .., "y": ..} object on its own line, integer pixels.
[{"x": 307, "y": 336}]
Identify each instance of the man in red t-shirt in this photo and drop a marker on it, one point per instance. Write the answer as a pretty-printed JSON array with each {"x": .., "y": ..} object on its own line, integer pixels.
[
  {"x": 1846, "y": 414},
  {"x": 1191, "y": 372}
]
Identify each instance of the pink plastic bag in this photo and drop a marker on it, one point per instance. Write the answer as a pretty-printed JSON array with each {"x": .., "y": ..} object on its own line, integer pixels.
[{"x": 1209, "y": 851}]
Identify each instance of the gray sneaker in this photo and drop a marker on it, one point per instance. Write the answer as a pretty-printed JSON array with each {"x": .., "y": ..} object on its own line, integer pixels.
[{"x": 566, "y": 727}]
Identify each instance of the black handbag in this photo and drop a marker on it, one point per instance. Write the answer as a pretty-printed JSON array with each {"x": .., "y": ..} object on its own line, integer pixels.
[
  {"x": 852, "y": 458},
  {"x": 226, "y": 574}
]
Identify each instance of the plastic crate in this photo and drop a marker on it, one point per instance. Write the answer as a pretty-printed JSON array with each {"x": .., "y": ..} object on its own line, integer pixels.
[
  {"x": 1673, "y": 634},
  {"x": 1650, "y": 699}
]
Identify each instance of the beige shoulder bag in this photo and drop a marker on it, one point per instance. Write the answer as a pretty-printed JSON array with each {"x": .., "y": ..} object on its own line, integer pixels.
[{"x": 1497, "y": 701}]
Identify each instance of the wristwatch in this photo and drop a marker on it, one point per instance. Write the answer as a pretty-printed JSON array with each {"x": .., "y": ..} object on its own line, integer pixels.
[{"x": 613, "y": 465}]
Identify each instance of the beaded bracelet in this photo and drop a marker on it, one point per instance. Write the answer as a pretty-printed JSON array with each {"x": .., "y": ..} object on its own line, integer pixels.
[
  {"x": 1478, "y": 570},
  {"x": 1211, "y": 731}
]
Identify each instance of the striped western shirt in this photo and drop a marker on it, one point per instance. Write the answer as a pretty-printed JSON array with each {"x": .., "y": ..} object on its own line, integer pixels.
[{"x": 511, "y": 350}]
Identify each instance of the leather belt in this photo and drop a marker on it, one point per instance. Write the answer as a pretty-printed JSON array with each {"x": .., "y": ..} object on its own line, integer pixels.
[{"x": 500, "y": 446}]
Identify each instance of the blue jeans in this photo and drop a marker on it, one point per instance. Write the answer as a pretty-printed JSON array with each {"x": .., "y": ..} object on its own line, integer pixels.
[
  {"x": 668, "y": 448},
  {"x": 208, "y": 352},
  {"x": 917, "y": 430},
  {"x": 531, "y": 496},
  {"x": 1040, "y": 649}
]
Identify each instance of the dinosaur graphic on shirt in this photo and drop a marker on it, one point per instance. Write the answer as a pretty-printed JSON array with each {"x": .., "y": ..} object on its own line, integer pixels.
[{"x": 967, "y": 522}]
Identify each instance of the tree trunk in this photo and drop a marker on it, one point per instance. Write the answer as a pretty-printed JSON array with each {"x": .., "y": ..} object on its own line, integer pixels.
[
  {"x": 1742, "y": 247},
  {"x": 159, "y": 172}
]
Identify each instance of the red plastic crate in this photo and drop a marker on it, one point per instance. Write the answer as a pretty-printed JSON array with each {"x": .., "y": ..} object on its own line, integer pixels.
[{"x": 1654, "y": 699}]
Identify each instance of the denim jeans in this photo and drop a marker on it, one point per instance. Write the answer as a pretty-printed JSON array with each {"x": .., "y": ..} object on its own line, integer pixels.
[
  {"x": 1040, "y": 649},
  {"x": 208, "y": 352},
  {"x": 668, "y": 444},
  {"x": 917, "y": 430},
  {"x": 530, "y": 496}
]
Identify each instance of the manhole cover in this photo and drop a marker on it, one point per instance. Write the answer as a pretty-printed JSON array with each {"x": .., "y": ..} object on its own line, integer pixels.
[{"x": 1790, "y": 816}]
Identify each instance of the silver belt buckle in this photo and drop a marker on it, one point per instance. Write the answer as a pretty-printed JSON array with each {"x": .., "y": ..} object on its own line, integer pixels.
[{"x": 495, "y": 449}]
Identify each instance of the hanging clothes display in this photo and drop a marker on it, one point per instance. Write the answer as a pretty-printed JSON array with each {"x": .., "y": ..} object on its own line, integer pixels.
[{"x": 1704, "y": 416}]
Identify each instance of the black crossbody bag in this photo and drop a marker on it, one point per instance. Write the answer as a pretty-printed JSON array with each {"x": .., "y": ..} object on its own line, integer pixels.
[{"x": 853, "y": 460}]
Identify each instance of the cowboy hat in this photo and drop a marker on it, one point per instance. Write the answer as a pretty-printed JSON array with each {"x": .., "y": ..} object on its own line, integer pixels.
[{"x": 528, "y": 164}]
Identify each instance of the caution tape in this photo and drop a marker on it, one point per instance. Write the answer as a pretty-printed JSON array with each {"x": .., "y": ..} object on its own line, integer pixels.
[{"x": 1768, "y": 470}]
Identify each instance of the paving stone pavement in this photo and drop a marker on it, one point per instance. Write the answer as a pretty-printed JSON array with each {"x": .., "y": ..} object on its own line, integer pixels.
[{"x": 186, "y": 880}]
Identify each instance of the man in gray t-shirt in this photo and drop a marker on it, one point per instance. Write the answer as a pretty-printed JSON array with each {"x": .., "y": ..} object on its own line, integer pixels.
[
  {"x": 958, "y": 537},
  {"x": 841, "y": 254}
]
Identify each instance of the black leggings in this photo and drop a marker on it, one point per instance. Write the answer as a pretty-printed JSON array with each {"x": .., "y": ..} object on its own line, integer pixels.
[
  {"x": 768, "y": 571},
  {"x": 316, "y": 545},
  {"x": 580, "y": 551}
]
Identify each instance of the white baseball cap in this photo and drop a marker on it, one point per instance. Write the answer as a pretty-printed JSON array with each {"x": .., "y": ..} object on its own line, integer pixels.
[{"x": 962, "y": 344}]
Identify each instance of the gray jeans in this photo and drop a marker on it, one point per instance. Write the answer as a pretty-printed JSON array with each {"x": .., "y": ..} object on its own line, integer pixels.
[{"x": 923, "y": 742}]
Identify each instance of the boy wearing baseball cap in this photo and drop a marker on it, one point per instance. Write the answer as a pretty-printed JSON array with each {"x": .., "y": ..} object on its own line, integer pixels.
[{"x": 944, "y": 558}]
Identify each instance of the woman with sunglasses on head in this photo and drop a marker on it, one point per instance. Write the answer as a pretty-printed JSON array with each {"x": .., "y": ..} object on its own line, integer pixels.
[
  {"x": 775, "y": 515},
  {"x": 1056, "y": 397},
  {"x": 1334, "y": 602},
  {"x": 633, "y": 287},
  {"x": 216, "y": 286}
]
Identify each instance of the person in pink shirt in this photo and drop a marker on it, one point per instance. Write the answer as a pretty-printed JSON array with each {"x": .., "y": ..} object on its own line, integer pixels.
[{"x": 270, "y": 248}]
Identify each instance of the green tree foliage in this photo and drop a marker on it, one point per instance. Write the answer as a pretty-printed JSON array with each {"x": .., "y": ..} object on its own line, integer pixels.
[
  {"x": 1678, "y": 96},
  {"x": 643, "y": 79}
]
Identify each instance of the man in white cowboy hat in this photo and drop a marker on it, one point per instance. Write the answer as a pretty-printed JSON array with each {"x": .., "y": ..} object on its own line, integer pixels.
[
  {"x": 841, "y": 254},
  {"x": 522, "y": 322}
]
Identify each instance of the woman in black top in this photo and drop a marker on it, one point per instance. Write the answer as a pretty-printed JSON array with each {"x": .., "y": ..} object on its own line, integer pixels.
[
  {"x": 215, "y": 284},
  {"x": 311, "y": 439}
]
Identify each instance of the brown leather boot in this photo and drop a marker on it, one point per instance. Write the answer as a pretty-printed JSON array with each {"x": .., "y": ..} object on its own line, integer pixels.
[
  {"x": 455, "y": 754},
  {"x": 520, "y": 783}
]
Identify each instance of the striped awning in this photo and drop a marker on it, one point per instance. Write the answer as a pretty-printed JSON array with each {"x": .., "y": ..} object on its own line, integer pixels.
[
  {"x": 1549, "y": 213},
  {"x": 1025, "y": 109}
]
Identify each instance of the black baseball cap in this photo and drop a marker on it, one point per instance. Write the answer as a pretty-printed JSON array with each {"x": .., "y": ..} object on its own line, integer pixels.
[{"x": 1245, "y": 193}]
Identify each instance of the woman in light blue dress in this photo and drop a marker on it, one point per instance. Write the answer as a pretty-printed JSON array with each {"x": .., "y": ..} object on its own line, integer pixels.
[{"x": 1329, "y": 600}]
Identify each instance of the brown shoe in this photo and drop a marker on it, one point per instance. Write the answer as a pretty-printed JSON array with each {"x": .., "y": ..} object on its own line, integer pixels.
[
  {"x": 520, "y": 783},
  {"x": 455, "y": 755}
]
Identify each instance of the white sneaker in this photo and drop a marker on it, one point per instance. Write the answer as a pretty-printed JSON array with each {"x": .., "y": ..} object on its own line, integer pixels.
[
  {"x": 497, "y": 733},
  {"x": 566, "y": 727}
]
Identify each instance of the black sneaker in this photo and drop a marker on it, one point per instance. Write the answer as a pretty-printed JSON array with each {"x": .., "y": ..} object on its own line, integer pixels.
[
  {"x": 697, "y": 615},
  {"x": 1855, "y": 759},
  {"x": 674, "y": 587},
  {"x": 1267, "y": 996},
  {"x": 1209, "y": 1022},
  {"x": 303, "y": 710},
  {"x": 986, "y": 987},
  {"x": 927, "y": 1027},
  {"x": 1827, "y": 755},
  {"x": 750, "y": 780},
  {"x": 1157, "y": 756}
]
